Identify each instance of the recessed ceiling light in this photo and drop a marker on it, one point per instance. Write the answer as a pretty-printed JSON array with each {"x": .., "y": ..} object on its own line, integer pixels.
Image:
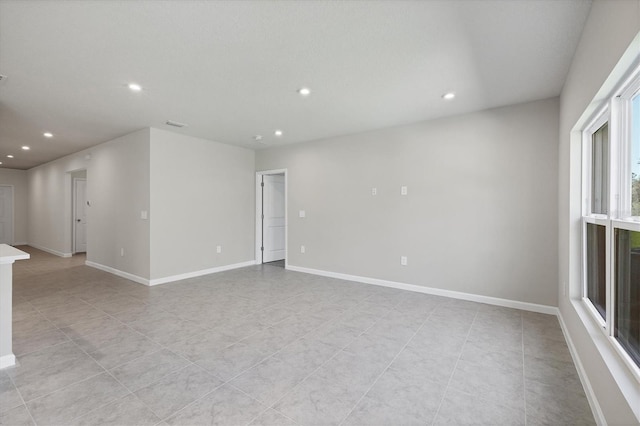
[
  {"x": 47, "y": 135},
  {"x": 9, "y": 156},
  {"x": 257, "y": 137},
  {"x": 304, "y": 91},
  {"x": 448, "y": 96},
  {"x": 25, "y": 148},
  {"x": 278, "y": 133},
  {"x": 135, "y": 87},
  {"x": 175, "y": 123}
]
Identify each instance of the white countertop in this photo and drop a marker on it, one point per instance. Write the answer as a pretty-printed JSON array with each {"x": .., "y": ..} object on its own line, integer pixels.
[{"x": 10, "y": 254}]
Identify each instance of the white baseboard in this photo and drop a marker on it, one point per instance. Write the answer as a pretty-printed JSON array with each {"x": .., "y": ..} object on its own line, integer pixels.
[
  {"x": 171, "y": 278},
  {"x": 7, "y": 361},
  {"x": 586, "y": 384},
  {"x": 20, "y": 243},
  {"x": 117, "y": 272},
  {"x": 48, "y": 250},
  {"x": 194, "y": 274},
  {"x": 533, "y": 307}
]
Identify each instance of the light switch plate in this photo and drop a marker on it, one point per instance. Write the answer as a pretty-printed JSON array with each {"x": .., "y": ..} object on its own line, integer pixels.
[
  {"x": 374, "y": 191},
  {"x": 403, "y": 260},
  {"x": 302, "y": 249},
  {"x": 144, "y": 215},
  {"x": 218, "y": 249},
  {"x": 302, "y": 213},
  {"x": 403, "y": 190}
]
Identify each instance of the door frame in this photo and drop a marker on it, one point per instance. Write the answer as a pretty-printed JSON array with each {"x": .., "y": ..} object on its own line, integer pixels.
[
  {"x": 13, "y": 213},
  {"x": 73, "y": 212},
  {"x": 259, "y": 206}
]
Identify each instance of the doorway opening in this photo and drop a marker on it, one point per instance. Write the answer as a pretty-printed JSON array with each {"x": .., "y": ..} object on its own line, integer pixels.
[
  {"x": 271, "y": 217},
  {"x": 79, "y": 212},
  {"x": 6, "y": 214}
]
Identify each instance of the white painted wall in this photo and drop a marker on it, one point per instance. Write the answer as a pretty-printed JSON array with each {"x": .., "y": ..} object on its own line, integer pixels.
[
  {"x": 202, "y": 196},
  {"x": 117, "y": 188},
  {"x": 17, "y": 178},
  {"x": 609, "y": 30},
  {"x": 480, "y": 215}
]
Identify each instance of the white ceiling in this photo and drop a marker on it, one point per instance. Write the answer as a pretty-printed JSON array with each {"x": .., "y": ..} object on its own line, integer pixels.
[{"x": 230, "y": 70}]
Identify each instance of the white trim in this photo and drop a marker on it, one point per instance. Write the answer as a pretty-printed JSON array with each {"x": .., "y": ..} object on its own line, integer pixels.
[
  {"x": 533, "y": 307},
  {"x": 171, "y": 278},
  {"x": 20, "y": 243},
  {"x": 51, "y": 251},
  {"x": 258, "y": 240},
  {"x": 598, "y": 415},
  {"x": 117, "y": 272},
  {"x": 7, "y": 361},
  {"x": 193, "y": 274}
]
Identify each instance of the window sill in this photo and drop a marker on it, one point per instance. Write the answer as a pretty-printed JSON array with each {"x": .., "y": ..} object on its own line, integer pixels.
[{"x": 627, "y": 377}]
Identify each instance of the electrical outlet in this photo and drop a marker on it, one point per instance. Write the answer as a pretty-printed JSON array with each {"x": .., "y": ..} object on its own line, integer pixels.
[
  {"x": 122, "y": 252},
  {"x": 403, "y": 260},
  {"x": 302, "y": 249},
  {"x": 374, "y": 191},
  {"x": 218, "y": 249}
]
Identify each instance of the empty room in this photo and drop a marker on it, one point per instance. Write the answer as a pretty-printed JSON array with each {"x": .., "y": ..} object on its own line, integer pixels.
[{"x": 271, "y": 212}]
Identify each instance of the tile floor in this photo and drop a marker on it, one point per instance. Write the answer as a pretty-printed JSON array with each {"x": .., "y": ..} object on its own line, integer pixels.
[{"x": 266, "y": 346}]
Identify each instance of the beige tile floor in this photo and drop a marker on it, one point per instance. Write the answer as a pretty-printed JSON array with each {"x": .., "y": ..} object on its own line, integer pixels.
[{"x": 266, "y": 346}]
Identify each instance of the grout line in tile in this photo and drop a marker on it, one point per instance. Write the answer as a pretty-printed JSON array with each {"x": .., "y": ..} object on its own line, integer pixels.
[
  {"x": 64, "y": 387},
  {"x": 446, "y": 389},
  {"x": 386, "y": 368},
  {"x": 324, "y": 363},
  {"x": 261, "y": 403},
  {"x": 22, "y": 399},
  {"x": 335, "y": 320}
]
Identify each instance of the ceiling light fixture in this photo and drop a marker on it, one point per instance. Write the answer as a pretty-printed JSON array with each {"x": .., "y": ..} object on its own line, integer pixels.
[
  {"x": 0, "y": 162},
  {"x": 278, "y": 133},
  {"x": 257, "y": 138},
  {"x": 25, "y": 148},
  {"x": 9, "y": 156},
  {"x": 47, "y": 135},
  {"x": 304, "y": 91},
  {"x": 175, "y": 123},
  {"x": 135, "y": 87},
  {"x": 448, "y": 96}
]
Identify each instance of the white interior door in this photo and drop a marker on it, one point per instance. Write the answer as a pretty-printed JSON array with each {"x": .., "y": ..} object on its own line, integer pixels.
[
  {"x": 6, "y": 214},
  {"x": 80, "y": 214},
  {"x": 273, "y": 225}
]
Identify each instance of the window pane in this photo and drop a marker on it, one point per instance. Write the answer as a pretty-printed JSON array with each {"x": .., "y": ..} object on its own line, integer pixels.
[
  {"x": 596, "y": 267},
  {"x": 635, "y": 156},
  {"x": 600, "y": 170},
  {"x": 627, "y": 323}
]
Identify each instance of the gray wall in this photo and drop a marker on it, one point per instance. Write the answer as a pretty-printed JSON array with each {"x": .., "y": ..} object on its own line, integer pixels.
[
  {"x": 17, "y": 178},
  {"x": 610, "y": 28},
  {"x": 480, "y": 215},
  {"x": 202, "y": 196},
  {"x": 117, "y": 188}
]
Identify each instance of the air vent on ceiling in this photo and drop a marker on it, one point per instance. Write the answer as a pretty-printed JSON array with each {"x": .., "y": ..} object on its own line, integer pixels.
[{"x": 175, "y": 123}]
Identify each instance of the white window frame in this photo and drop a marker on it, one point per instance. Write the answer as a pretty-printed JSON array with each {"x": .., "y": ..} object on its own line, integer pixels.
[{"x": 617, "y": 112}]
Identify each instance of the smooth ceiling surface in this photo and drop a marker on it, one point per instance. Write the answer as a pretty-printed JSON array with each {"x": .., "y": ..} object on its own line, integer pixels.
[{"x": 230, "y": 70}]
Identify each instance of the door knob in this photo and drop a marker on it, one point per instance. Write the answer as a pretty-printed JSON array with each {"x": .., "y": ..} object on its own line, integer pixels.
[{"x": 77, "y": 220}]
